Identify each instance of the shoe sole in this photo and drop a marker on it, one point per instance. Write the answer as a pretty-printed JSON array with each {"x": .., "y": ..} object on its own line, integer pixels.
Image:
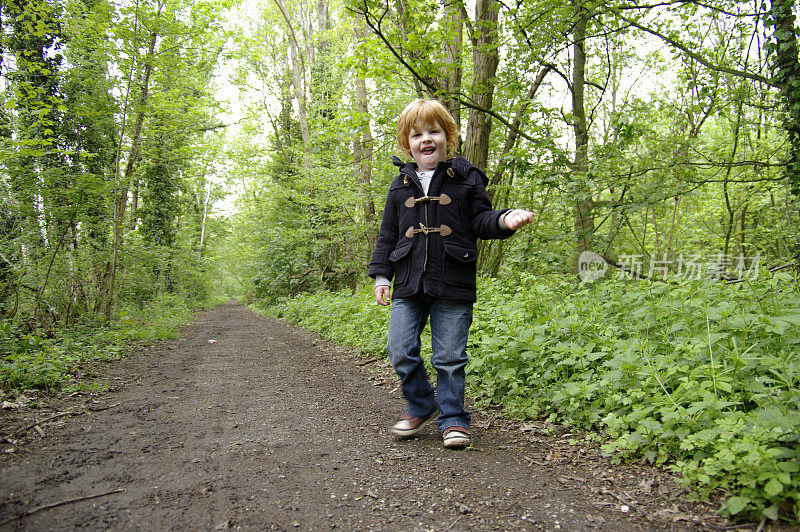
[
  {"x": 408, "y": 433},
  {"x": 457, "y": 443},
  {"x": 456, "y": 439}
]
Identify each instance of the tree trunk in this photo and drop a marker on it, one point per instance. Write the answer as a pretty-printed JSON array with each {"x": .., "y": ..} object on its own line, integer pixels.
[
  {"x": 362, "y": 151},
  {"x": 300, "y": 89},
  {"x": 511, "y": 140},
  {"x": 491, "y": 251},
  {"x": 787, "y": 74},
  {"x": 486, "y": 59},
  {"x": 731, "y": 208},
  {"x": 298, "y": 72},
  {"x": 133, "y": 156},
  {"x": 584, "y": 203},
  {"x": 31, "y": 85},
  {"x": 451, "y": 67},
  {"x": 401, "y": 7},
  {"x": 206, "y": 205},
  {"x": 134, "y": 203}
]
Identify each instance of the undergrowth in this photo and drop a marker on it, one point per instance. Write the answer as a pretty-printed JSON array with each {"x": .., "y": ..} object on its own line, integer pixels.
[
  {"x": 67, "y": 360},
  {"x": 702, "y": 378}
]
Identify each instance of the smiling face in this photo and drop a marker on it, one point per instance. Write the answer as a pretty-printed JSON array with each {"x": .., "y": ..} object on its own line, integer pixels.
[{"x": 427, "y": 144}]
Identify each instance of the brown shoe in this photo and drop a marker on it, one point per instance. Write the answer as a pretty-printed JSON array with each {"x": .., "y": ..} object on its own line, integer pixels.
[{"x": 408, "y": 425}]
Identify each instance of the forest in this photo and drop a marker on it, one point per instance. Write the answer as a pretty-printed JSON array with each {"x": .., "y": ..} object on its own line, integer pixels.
[{"x": 157, "y": 157}]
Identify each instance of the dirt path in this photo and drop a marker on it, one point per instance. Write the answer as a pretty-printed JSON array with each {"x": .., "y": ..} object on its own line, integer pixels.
[{"x": 269, "y": 428}]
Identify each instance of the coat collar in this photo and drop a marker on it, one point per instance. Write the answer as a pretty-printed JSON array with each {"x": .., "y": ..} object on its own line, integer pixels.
[
  {"x": 461, "y": 167},
  {"x": 408, "y": 174}
]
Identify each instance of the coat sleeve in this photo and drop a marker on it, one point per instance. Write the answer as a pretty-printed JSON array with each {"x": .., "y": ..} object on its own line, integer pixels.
[
  {"x": 485, "y": 220},
  {"x": 387, "y": 241}
]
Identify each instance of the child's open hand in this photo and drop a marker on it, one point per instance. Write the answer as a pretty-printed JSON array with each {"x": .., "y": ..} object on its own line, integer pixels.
[
  {"x": 382, "y": 295},
  {"x": 517, "y": 218}
]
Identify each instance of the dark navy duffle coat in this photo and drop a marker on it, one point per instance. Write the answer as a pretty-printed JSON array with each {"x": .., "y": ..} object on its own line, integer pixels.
[{"x": 428, "y": 244}]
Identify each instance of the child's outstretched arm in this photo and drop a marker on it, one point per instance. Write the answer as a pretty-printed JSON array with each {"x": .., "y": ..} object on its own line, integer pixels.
[{"x": 517, "y": 218}]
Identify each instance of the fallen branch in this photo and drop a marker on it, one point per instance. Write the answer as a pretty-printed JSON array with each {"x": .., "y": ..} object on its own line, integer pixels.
[
  {"x": 370, "y": 361},
  {"x": 28, "y": 427},
  {"x": 26, "y": 513},
  {"x": 454, "y": 522}
]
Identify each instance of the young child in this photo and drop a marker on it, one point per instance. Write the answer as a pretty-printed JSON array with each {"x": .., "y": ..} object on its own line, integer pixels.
[{"x": 435, "y": 211}]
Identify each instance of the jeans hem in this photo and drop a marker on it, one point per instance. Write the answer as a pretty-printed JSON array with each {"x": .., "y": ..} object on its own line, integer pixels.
[
  {"x": 453, "y": 423},
  {"x": 428, "y": 414}
]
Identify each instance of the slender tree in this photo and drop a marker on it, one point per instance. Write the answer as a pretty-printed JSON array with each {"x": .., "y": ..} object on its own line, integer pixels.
[
  {"x": 787, "y": 77},
  {"x": 485, "y": 57}
]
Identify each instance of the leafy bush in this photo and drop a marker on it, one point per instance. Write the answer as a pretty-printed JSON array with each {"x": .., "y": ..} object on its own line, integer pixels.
[
  {"x": 64, "y": 361},
  {"x": 152, "y": 270},
  {"x": 349, "y": 319},
  {"x": 700, "y": 377},
  {"x": 158, "y": 320}
]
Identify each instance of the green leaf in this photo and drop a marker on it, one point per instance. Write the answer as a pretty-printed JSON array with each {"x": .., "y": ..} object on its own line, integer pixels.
[
  {"x": 734, "y": 505},
  {"x": 773, "y": 488},
  {"x": 792, "y": 319},
  {"x": 715, "y": 337},
  {"x": 771, "y": 512}
]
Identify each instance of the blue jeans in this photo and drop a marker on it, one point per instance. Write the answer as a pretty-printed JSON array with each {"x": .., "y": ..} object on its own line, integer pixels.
[{"x": 450, "y": 321}]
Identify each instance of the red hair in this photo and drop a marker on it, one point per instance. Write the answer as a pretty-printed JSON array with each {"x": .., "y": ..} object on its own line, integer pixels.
[{"x": 426, "y": 113}]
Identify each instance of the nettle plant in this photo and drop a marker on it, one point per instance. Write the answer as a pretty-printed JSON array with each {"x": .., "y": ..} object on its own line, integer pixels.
[{"x": 698, "y": 376}]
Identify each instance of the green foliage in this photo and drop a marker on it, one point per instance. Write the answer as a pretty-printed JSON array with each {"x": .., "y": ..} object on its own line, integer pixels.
[
  {"x": 158, "y": 320},
  {"x": 345, "y": 318},
  {"x": 155, "y": 271},
  {"x": 700, "y": 377},
  {"x": 161, "y": 205},
  {"x": 67, "y": 360},
  {"x": 74, "y": 96},
  {"x": 783, "y": 49}
]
